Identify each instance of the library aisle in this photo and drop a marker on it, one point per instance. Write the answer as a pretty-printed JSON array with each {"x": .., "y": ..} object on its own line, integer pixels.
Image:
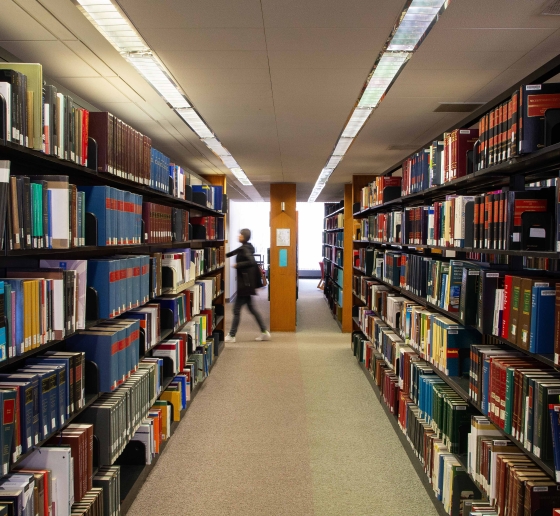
[{"x": 290, "y": 426}]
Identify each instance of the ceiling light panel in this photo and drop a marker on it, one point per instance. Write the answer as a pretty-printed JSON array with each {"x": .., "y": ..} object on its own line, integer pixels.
[
  {"x": 342, "y": 147},
  {"x": 417, "y": 20},
  {"x": 116, "y": 28},
  {"x": 357, "y": 120}
]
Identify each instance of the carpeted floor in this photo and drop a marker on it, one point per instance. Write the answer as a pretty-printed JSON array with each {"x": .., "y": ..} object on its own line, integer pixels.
[{"x": 286, "y": 427}]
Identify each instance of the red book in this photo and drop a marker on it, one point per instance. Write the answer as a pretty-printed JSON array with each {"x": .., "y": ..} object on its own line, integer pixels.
[{"x": 504, "y": 333}]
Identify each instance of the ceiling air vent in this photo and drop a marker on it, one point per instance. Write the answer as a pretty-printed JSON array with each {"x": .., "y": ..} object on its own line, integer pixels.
[
  {"x": 404, "y": 146},
  {"x": 457, "y": 107},
  {"x": 551, "y": 8}
]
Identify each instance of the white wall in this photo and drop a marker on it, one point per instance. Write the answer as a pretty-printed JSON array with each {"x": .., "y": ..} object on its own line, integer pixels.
[
  {"x": 254, "y": 216},
  {"x": 310, "y": 234}
]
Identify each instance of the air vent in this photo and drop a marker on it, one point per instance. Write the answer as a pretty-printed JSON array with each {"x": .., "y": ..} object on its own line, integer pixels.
[
  {"x": 403, "y": 147},
  {"x": 551, "y": 8},
  {"x": 457, "y": 107}
]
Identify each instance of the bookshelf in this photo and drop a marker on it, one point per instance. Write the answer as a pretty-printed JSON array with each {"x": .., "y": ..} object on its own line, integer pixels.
[
  {"x": 29, "y": 162},
  {"x": 388, "y": 296},
  {"x": 333, "y": 242}
]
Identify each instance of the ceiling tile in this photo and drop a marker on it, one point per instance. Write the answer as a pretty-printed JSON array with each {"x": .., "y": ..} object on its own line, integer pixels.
[
  {"x": 173, "y": 14},
  {"x": 456, "y": 60},
  {"x": 308, "y": 59},
  {"x": 497, "y": 13},
  {"x": 41, "y": 11},
  {"x": 483, "y": 40},
  {"x": 96, "y": 90},
  {"x": 205, "y": 39},
  {"x": 222, "y": 59},
  {"x": 326, "y": 39},
  {"x": 16, "y": 24},
  {"x": 90, "y": 58},
  {"x": 332, "y": 13},
  {"x": 58, "y": 60},
  {"x": 128, "y": 111}
]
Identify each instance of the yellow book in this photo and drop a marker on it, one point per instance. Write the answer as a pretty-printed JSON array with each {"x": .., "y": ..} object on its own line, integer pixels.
[
  {"x": 36, "y": 314},
  {"x": 165, "y": 419},
  {"x": 173, "y": 397},
  {"x": 27, "y": 326}
]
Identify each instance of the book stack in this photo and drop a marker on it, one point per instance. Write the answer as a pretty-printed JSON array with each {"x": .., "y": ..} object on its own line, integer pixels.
[
  {"x": 117, "y": 415},
  {"x": 179, "y": 305},
  {"x": 118, "y": 213},
  {"x": 180, "y": 225},
  {"x": 213, "y": 195},
  {"x": 158, "y": 226},
  {"x": 45, "y": 212},
  {"x": 121, "y": 150},
  {"x": 114, "y": 346},
  {"x": 108, "y": 479},
  {"x": 208, "y": 228},
  {"x": 150, "y": 321},
  {"x": 159, "y": 171},
  {"x": 38, "y": 399},
  {"x": 383, "y": 189},
  {"x": 335, "y": 222},
  {"x": 123, "y": 281}
]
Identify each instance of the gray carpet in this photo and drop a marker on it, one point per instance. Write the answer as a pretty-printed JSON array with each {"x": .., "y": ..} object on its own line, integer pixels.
[{"x": 286, "y": 427}]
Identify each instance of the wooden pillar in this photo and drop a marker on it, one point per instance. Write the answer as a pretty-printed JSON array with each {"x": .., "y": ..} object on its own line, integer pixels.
[
  {"x": 283, "y": 258},
  {"x": 347, "y": 261}
]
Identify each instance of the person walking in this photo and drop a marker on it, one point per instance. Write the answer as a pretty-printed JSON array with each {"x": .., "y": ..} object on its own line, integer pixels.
[{"x": 248, "y": 274}]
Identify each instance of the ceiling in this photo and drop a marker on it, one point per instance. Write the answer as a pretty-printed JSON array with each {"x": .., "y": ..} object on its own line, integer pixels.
[{"x": 277, "y": 79}]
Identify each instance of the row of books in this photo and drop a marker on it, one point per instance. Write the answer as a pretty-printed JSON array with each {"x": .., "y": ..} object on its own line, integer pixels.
[
  {"x": 379, "y": 191},
  {"x": 214, "y": 196},
  {"x": 437, "y": 423},
  {"x": 335, "y": 273},
  {"x": 335, "y": 222},
  {"x": 34, "y": 207},
  {"x": 333, "y": 254},
  {"x": 185, "y": 265},
  {"x": 39, "y": 117},
  {"x": 166, "y": 224},
  {"x": 331, "y": 207},
  {"x": 505, "y": 220},
  {"x": 520, "y": 309},
  {"x": 335, "y": 238},
  {"x": 38, "y": 399},
  {"x": 59, "y": 477}
]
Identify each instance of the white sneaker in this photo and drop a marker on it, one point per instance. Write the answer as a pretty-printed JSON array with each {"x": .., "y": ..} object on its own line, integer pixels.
[
  {"x": 229, "y": 338},
  {"x": 265, "y": 335}
]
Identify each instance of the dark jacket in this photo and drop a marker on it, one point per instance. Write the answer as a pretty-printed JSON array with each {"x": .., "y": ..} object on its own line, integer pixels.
[{"x": 246, "y": 269}]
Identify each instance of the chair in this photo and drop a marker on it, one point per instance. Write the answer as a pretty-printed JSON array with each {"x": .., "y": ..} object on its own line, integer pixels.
[{"x": 321, "y": 284}]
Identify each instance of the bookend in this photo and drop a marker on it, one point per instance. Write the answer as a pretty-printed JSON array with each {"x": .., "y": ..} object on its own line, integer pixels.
[
  {"x": 224, "y": 204},
  {"x": 551, "y": 127},
  {"x": 199, "y": 198},
  {"x": 188, "y": 193},
  {"x": 463, "y": 489},
  {"x": 92, "y": 305},
  {"x": 142, "y": 343},
  {"x": 92, "y": 154},
  {"x": 143, "y": 234},
  {"x": 190, "y": 232},
  {"x": 91, "y": 229},
  {"x": 166, "y": 317},
  {"x": 92, "y": 378},
  {"x": 134, "y": 454},
  {"x": 536, "y": 233},
  {"x": 219, "y": 310},
  {"x": 390, "y": 193},
  {"x": 218, "y": 336},
  {"x": 199, "y": 232},
  {"x": 167, "y": 277}
]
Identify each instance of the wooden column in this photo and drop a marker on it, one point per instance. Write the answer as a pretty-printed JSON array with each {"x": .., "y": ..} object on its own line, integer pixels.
[
  {"x": 347, "y": 261},
  {"x": 283, "y": 279}
]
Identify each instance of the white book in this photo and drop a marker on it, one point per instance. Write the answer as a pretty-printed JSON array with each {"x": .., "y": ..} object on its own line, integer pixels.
[
  {"x": 58, "y": 459},
  {"x": 6, "y": 91}
]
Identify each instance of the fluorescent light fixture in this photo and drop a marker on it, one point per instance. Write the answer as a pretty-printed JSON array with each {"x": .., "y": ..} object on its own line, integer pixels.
[
  {"x": 342, "y": 146},
  {"x": 241, "y": 176},
  {"x": 229, "y": 162},
  {"x": 357, "y": 120},
  {"x": 334, "y": 161},
  {"x": 417, "y": 20},
  {"x": 196, "y": 123},
  {"x": 216, "y": 147},
  {"x": 383, "y": 75},
  {"x": 113, "y": 24},
  {"x": 414, "y": 23}
]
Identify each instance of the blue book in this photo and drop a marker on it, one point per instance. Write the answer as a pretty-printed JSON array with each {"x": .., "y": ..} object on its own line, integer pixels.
[
  {"x": 121, "y": 217},
  {"x": 101, "y": 275},
  {"x": 554, "y": 411},
  {"x": 17, "y": 287},
  {"x": 98, "y": 202},
  {"x": 29, "y": 403},
  {"x": 61, "y": 366},
  {"x": 27, "y": 407},
  {"x": 48, "y": 392},
  {"x": 8, "y": 403},
  {"x": 181, "y": 383},
  {"x": 100, "y": 347},
  {"x": 542, "y": 320},
  {"x": 218, "y": 192},
  {"x": 3, "y": 346},
  {"x": 49, "y": 218},
  {"x": 485, "y": 383}
]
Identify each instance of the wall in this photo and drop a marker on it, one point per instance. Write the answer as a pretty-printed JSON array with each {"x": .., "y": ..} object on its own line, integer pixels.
[{"x": 256, "y": 217}]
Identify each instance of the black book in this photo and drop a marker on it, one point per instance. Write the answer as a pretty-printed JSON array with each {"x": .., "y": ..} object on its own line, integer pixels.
[
  {"x": 487, "y": 284},
  {"x": 27, "y": 212},
  {"x": 20, "y": 205},
  {"x": 13, "y": 78}
]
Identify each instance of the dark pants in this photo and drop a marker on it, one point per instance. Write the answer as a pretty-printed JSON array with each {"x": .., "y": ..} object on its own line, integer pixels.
[{"x": 239, "y": 302}]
